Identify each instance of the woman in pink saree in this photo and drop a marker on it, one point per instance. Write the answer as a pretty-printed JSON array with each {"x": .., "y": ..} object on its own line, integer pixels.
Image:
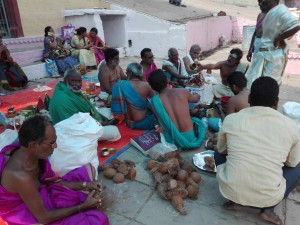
[
  {"x": 30, "y": 193},
  {"x": 98, "y": 44}
]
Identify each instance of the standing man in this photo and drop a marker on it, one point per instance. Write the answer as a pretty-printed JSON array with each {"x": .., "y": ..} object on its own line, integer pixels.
[
  {"x": 147, "y": 63},
  {"x": 191, "y": 60},
  {"x": 227, "y": 67},
  {"x": 278, "y": 25},
  {"x": 170, "y": 107},
  {"x": 129, "y": 99},
  {"x": 258, "y": 153}
]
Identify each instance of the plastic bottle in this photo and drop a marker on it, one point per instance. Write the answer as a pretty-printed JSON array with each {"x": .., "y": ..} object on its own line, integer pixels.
[
  {"x": 47, "y": 101},
  {"x": 40, "y": 104}
]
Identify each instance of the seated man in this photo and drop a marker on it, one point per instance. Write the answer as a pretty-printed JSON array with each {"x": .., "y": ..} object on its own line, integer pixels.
[
  {"x": 263, "y": 153},
  {"x": 238, "y": 85},
  {"x": 30, "y": 192},
  {"x": 109, "y": 71},
  {"x": 174, "y": 68},
  {"x": 67, "y": 100},
  {"x": 170, "y": 107},
  {"x": 129, "y": 99},
  {"x": 147, "y": 63},
  {"x": 227, "y": 67},
  {"x": 191, "y": 60}
]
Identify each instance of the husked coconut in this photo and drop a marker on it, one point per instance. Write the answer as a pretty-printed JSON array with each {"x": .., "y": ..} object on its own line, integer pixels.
[
  {"x": 192, "y": 192},
  {"x": 118, "y": 178},
  {"x": 131, "y": 174},
  {"x": 151, "y": 164},
  {"x": 122, "y": 168},
  {"x": 196, "y": 177},
  {"x": 109, "y": 173},
  {"x": 182, "y": 175},
  {"x": 177, "y": 203}
]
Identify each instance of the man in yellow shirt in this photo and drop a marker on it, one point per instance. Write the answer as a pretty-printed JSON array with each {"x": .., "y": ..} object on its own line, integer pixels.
[{"x": 258, "y": 153}]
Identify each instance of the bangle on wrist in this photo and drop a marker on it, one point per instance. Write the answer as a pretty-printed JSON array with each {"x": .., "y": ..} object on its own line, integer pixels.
[
  {"x": 84, "y": 185},
  {"x": 79, "y": 208}
]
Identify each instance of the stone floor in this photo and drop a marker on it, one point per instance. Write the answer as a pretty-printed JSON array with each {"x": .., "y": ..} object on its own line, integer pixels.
[{"x": 137, "y": 203}]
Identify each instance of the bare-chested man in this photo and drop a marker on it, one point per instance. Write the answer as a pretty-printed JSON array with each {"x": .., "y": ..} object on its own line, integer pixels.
[
  {"x": 147, "y": 63},
  {"x": 129, "y": 99},
  {"x": 170, "y": 106},
  {"x": 227, "y": 67},
  {"x": 238, "y": 85},
  {"x": 30, "y": 191},
  {"x": 109, "y": 71},
  {"x": 191, "y": 60}
]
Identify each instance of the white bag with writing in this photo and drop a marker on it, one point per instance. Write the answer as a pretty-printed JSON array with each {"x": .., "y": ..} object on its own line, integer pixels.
[{"x": 77, "y": 141}]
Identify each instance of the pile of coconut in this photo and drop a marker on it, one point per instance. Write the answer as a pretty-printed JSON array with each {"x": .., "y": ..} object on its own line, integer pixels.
[
  {"x": 176, "y": 179},
  {"x": 118, "y": 170}
]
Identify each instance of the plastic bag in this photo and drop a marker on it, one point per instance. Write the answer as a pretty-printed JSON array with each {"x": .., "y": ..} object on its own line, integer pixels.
[
  {"x": 77, "y": 142},
  {"x": 51, "y": 68},
  {"x": 8, "y": 137},
  {"x": 292, "y": 110},
  {"x": 160, "y": 149}
]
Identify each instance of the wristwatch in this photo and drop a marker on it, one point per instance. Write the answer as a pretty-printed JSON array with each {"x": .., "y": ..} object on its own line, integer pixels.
[{"x": 84, "y": 185}]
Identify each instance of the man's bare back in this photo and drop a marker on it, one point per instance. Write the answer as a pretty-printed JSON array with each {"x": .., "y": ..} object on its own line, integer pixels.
[
  {"x": 175, "y": 102},
  {"x": 145, "y": 91},
  {"x": 238, "y": 102}
]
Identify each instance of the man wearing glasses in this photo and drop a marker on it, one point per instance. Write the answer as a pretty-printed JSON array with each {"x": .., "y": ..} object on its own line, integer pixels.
[{"x": 147, "y": 63}]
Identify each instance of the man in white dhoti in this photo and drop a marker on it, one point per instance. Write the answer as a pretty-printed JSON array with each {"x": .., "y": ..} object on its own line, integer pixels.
[{"x": 278, "y": 25}]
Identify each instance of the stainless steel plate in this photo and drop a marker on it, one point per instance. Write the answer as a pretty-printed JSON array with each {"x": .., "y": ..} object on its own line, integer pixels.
[{"x": 198, "y": 160}]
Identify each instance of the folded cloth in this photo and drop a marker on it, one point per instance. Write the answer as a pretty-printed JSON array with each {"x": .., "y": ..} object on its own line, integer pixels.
[{"x": 42, "y": 88}]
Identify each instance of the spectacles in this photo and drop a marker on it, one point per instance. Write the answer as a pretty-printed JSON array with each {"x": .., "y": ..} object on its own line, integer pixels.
[
  {"x": 149, "y": 57},
  {"x": 53, "y": 145}
]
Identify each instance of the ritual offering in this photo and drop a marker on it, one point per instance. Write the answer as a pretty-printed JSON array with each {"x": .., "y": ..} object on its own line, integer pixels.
[
  {"x": 118, "y": 170},
  {"x": 176, "y": 179},
  {"x": 205, "y": 161}
]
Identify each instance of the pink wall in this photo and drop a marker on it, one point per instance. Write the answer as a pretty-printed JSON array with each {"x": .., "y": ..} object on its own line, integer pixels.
[{"x": 206, "y": 32}]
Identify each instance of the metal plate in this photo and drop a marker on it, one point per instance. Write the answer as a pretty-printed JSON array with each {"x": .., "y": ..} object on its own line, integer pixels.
[{"x": 198, "y": 160}]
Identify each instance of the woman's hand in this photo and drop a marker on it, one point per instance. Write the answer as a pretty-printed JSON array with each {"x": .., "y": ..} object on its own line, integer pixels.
[
  {"x": 93, "y": 185},
  {"x": 90, "y": 202}
]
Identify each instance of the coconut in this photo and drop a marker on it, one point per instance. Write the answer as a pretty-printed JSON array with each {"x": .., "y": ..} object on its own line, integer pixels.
[
  {"x": 131, "y": 174},
  {"x": 172, "y": 184},
  {"x": 182, "y": 175},
  {"x": 115, "y": 161},
  {"x": 109, "y": 173},
  {"x": 118, "y": 178},
  {"x": 105, "y": 166},
  {"x": 177, "y": 203},
  {"x": 196, "y": 177},
  {"x": 151, "y": 164},
  {"x": 192, "y": 192},
  {"x": 122, "y": 168},
  {"x": 181, "y": 184}
]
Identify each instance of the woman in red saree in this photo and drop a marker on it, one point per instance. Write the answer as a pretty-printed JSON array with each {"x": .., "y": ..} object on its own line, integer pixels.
[{"x": 98, "y": 44}]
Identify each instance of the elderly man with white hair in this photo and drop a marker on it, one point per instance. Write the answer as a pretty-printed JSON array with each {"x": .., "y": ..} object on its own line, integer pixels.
[
  {"x": 129, "y": 99},
  {"x": 68, "y": 100}
]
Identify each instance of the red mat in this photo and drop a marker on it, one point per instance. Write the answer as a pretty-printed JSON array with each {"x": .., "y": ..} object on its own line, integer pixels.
[
  {"x": 28, "y": 97},
  {"x": 120, "y": 145}
]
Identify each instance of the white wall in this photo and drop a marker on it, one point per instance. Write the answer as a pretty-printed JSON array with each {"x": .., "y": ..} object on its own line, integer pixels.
[
  {"x": 114, "y": 30},
  {"x": 146, "y": 31}
]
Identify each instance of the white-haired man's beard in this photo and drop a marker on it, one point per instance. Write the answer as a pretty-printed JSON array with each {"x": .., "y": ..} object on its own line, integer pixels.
[{"x": 74, "y": 88}]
